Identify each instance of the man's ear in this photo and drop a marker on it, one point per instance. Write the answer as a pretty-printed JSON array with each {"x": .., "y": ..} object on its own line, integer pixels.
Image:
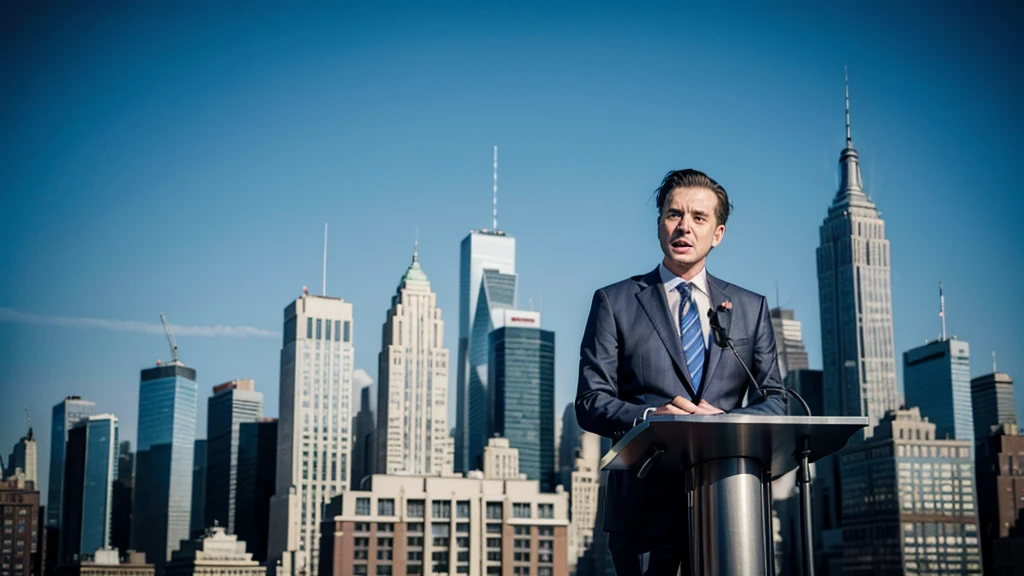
[{"x": 719, "y": 233}]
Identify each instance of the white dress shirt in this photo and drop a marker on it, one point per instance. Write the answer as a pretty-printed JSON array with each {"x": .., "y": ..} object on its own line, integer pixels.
[{"x": 699, "y": 296}]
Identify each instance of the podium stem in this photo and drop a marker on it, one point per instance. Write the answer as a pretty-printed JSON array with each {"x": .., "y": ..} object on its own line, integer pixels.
[{"x": 804, "y": 480}]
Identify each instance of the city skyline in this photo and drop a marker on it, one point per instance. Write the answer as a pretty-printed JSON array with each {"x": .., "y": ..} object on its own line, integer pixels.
[{"x": 894, "y": 119}]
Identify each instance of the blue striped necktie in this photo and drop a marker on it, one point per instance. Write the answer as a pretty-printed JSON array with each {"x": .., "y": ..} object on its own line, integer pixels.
[{"x": 690, "y": 335}]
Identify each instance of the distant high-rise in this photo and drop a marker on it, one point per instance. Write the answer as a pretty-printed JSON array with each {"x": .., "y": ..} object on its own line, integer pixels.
[
  {"x": 855, "y": 295},
  {"x": 992, "y": 403},
  {"x": 214, "y": 553},
  {"x": 314, "y": 444},
  {"x": 197, "y": 515},
  {"x": 937, "y": 379},
  {"x": 257, "y": 464},
  {"x": 412, "y": 383},
  {"x": 162, "y": 507},
  {"x": 65, "y": 414},
  {"x": 909, "y": 501},
  {"x": 521, "y": 373},
  {"x": 1000, "y": 476},
  {"x": 24, "y": 457},
  {"x": 21, "y": 536},
  {"x": 90, "y": 468},
  {"x": 789, "y": 341},
  {"x": 569, "y": 442},
  {"x": 481, "y": 250},
  {"x": 583, "y": 492},
  {"x": 232, "y": 404},
  {"x": 501, "y": 461},
  {"x": 363, "y": 443},
  {"x": 121, "y": 524}
]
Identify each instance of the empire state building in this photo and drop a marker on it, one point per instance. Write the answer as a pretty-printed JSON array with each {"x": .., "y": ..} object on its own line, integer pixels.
[{"x": 855, "y": 295}]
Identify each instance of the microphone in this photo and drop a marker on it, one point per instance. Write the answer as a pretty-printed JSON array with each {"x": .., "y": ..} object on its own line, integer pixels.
[{"x": 723, "y": 341}]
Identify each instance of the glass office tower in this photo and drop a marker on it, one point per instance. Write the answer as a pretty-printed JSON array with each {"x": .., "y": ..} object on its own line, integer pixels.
[
  {"x": 522, "y": 392},
  {"x": 168, "y": 396}
]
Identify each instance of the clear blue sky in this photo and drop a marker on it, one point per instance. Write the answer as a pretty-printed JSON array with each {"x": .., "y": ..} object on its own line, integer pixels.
[{"x": 184, "y": 160}]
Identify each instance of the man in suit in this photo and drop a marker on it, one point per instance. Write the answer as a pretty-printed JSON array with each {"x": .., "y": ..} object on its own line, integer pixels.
[{"x": 648, "y": 349}]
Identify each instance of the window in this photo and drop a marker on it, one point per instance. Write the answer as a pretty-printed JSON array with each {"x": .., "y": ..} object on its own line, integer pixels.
[
  {"x": 462, "y": 568},
  {"x": 415, "y": 555},
  {"x": 363, "y": 526},
  {"x": 522, "y": 530},
  {"x": 327, "y": 336},
  {"x": 493, "y": 556},
  {"x": 415, "y": 528},
  {"x": 494, "y": 570},
  {"x": 545, "y": 510},
  {"x": 318, "y": 322},
  {"x": 415, "y": 541},
  {"x": 462, "y": 509},
  {"x": 494, "y": 511},
  {"x": 337, "y": 330},
  {"x": 414, "y": 508},
  {"x": 385, "y": 527},
  {"x": 414, "y": 568},
  {"x": 441, "y": 509},
  {"x": 521, "y": 510},
  {"x": 309, "y": 327},
  {"x": 462, "y": 528},
  {"x": 359, "y": 569},
  {"x": 362, "y": 506},
  {"x": 386, "y": 507},
  {"x": 545, "y": 531},
  {"x": 494, "y": 528},
  {"x": 348, "y": 330},
  {"x": 494, "y": 543},
  {"x": 384, "y": 569}
]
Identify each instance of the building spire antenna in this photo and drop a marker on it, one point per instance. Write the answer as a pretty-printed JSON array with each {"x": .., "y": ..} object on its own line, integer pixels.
[
  {"x": 324, "y": 292},
  {"x": 849, "y": 140},
  {"x": 416, "y": 245},
  {"x": 994, "y": 362},
  {"x": 942, "y": 311},
  {"x": 494, "y": 221}
]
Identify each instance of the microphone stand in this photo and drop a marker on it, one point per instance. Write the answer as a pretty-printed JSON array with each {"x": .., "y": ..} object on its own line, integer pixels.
[{"x": 802, "y": 455}]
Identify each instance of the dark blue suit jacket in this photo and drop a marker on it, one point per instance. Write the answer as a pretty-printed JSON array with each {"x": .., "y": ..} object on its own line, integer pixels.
[{"x": 631, "y": 359}]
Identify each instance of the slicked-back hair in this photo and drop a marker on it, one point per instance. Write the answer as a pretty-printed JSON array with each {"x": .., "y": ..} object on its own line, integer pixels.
[{"x": 690, "y": 178}]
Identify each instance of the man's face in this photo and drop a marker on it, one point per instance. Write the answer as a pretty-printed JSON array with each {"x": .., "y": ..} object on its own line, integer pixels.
[{"x": 688, "y": 228}]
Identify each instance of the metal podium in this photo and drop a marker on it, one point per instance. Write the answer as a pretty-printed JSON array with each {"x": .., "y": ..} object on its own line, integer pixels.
[{"x": 726, "y": 463}]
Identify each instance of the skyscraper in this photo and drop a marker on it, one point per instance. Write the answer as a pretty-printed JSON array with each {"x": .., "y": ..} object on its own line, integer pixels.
[
  {"x": 90, "y": 470},
  {"x": 937, "y": 379},
  {"x": 521, "y": 370},
  {"x": 412, "y": 402},
  {"x": 583, "y": 492},
  {"x": 1000, "y": 475},
  {"x": 909, "y": 501},
  {"x": 363, "y": 443},
  {"x": 855, "y": 295},
  {"x": 992, "y": 403},
  {"x": 168, "y": 397},
  {"x": 257, "y": 464},
  {"x": 65, "y": 414},
  {"x": 569, "y": 441},
  {"x": 121, "y": 524},
  {"x": 314, "y": 444},
  {"x": 25, "y": 457},
  {"x": 497, "y": 293},
  {"x": 232, "y": 404},
  {"x": 22, "y": 537},
  {"x": 481, "y": 250},
  {"x": 789, "y": 340},
  {"x": 197, "y": 513}
]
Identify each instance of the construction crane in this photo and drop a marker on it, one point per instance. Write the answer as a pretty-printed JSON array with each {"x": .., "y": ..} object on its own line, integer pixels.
[{"x": 170, "y": 340}]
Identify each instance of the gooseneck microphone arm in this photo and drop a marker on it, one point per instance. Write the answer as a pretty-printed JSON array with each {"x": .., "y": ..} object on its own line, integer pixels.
[{"x": 722, "y": 339}]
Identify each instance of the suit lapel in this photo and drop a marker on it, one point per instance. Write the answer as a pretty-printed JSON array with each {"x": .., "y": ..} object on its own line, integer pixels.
[
  {"x": 652, "y": 300},
  {"x": 718, "y": 295}
]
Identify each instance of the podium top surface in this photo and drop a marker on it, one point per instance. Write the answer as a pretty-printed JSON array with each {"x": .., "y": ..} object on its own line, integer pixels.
[{"x": 692, "y": 439}]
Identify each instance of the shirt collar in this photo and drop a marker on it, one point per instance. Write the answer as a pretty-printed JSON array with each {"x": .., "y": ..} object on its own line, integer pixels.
[{"x": 671, "y": 281}]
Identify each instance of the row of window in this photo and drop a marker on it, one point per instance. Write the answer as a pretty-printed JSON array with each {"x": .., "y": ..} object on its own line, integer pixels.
[
  {"x": 442, "y": 509},
  {"x": 342, "y": 332}
]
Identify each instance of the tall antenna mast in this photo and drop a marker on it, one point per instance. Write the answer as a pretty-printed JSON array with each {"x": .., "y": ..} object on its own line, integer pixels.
[
  {"x": 942, "y": 311},
  {"x": 495, "y": 217},
  {"x": 324, "y": 293},
  {"x": 994, "y": 362},
  {"x": 170, "y": 339},
  {"x": 849, "y": 140}
]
